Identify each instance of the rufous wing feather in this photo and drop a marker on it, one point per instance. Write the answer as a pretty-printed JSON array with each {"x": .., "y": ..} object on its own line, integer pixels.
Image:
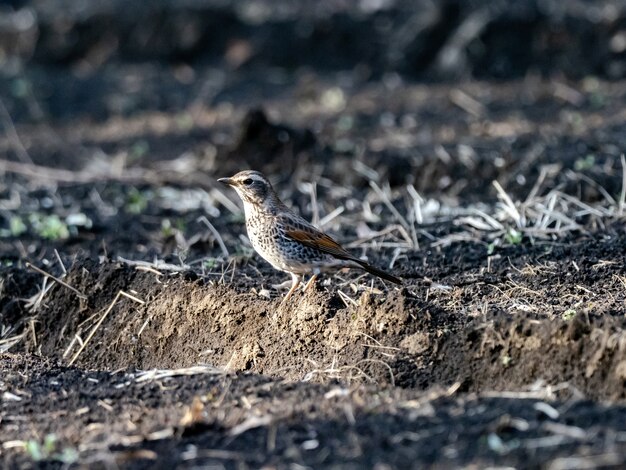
[{"x": 320, "y": 241}]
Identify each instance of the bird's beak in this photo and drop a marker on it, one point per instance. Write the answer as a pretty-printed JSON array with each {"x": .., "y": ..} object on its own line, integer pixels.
[{"x": 228, "y": 181}]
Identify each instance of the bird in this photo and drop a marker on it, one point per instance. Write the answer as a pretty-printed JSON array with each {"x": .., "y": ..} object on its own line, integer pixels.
[{"x": 286, "y": 240}]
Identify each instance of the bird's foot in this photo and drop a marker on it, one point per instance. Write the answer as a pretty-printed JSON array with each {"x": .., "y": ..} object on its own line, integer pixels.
[
  {"x": 310, "y": 283},
  {"x": 295, "y": 283}
]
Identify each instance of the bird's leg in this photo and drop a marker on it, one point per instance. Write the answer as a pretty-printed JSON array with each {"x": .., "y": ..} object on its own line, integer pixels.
[
  {"x": 310, "y": 283},
  {"x": 295, "y": 283}
]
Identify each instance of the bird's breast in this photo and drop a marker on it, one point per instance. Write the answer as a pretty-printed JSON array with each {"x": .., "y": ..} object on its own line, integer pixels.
[{"x": 262, "y": 232}]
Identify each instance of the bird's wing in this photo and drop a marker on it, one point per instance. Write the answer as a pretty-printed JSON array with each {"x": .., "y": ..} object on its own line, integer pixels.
[
  {"x": 303, "y": 232},
  {"x": 312, "y": 237}
]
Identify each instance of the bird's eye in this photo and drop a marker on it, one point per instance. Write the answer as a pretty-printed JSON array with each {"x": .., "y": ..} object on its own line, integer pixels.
[{"x": 247, "y": 181}]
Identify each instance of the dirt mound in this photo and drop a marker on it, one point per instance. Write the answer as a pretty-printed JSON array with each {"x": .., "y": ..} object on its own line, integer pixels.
[{"x": 417, "y": 337}]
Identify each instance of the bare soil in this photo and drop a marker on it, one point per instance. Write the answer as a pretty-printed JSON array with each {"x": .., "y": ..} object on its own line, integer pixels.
[{"x": 160, "y": 341}]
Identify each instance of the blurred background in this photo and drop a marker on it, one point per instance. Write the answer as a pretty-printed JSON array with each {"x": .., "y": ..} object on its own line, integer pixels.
[
  {"x": 66, "y": 58},
  {"x": 442, "y": 96}
]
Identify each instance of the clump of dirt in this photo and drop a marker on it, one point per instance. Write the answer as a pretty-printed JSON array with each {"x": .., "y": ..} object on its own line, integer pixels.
[
  {"x": 416, "y": 336},
  {"x": 503, "y": 351}
]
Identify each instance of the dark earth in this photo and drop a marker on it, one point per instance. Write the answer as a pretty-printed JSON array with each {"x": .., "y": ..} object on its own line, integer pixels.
[{"x": 474, "y": 149}]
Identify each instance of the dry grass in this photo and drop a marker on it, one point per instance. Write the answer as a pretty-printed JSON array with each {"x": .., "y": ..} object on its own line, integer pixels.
[{"x": 83, "y": 344}]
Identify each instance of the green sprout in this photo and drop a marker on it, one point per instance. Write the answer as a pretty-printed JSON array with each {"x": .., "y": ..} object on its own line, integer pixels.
[
  {"x": 16, "y": 227},
  {"x": 180, "y": 224},
  {"x": 48, "y": 450},
  {"x": 209, "y": 263},
  {"x": 513, "y": 237},
  {"x": 585, "y": 163},
  {"x": 167, "y": 230},
  {"x": 137, "y": 201},
  {"x": 568, "y": 314},
  {"x": 50, "y": 227},
  {"x": 244, "y": 252}
]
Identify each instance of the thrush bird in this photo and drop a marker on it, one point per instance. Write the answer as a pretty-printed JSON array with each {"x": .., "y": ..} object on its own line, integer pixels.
[{"x": 287, "y": 241}]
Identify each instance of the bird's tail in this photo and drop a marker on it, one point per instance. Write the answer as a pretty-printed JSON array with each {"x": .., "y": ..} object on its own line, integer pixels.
[{"x": 378, "y": 272}]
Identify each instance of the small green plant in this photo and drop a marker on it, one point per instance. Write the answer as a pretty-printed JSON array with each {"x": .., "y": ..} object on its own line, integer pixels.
[
  {"x": 585, "y": 163},
  {"x": 513, "y": 237},
  {"x": 180, "y": 224},
  {"x": 167, "y": 230},
  {"x": 16, "y": 227},
  {"x": 244, "y": 252},
  {"x": 50, "y": 227},
  {"x": 136, "y": 202},
  {"x": 209, "y": 263},
  {"x": 48, "y": 450},
  {"x": 568, "y": 314}
]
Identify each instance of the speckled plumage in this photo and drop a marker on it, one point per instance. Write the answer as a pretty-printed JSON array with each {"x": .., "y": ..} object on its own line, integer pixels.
[{"x": 284, "y": 239}]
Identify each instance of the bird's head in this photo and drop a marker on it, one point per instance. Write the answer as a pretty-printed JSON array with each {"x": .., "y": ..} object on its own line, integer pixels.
[{"x": 252, "y": 187}]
